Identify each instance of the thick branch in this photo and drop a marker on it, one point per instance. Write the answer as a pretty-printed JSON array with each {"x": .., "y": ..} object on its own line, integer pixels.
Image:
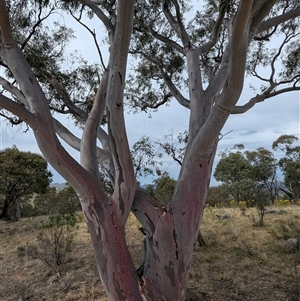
[
  {"x": 88, "y": 150},
  {"x": 6, "y": 34},
  {"x": 27, "y": 81},
  {"x": 144, "y": 203},
  {"x": 125, "y": 181},
  {"x": 237, "y": 58},
  {"x": 278, "y": 19},
  {"x": 103, "y": 156},
  {"x": 260, "y": 98},
  {"x": 217, "y": 82},
  {"x": 13, "y": 90},
  {"x": 177, "y": 25},
  {"x": 259, "y": 16},
  {"x": 183, "y": 34},
  {"x": 165, "y": 40},
  {"x": 209, "y": 133},
  {"x": 250, "y": 104},
  {"x": 79, "y": 113},
  {"x": 17, "y": 109}
]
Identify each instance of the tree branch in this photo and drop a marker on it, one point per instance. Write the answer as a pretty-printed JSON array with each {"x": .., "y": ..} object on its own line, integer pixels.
[
  {"x": 237, "y": 57},
  {"x": 13, "y": 90},
  {"x": 17, "y": 109},
  {"x": 259, "y": 16},
  {"x": 284, "y": 90},
  {"x": 77, "y": 112},
  {"x": 6, "y": 34},
  {"x": 88, "y": 150},
  {"x": 165, "y": 40},
  {"x": 215, "y": 34},
  {"x": 177, "y": 25},
  {"x": 93, "y": 35},
  {"x": 36, "y": 25},
  {"x": 266, "y": 25},
  {"x": 103, "y": 156},
  {"x": 260, "y": 98},
  {"x": 217, "y": 82},
  {"x": 143, "y": 202},
  {"x": 251, "y": 103},
  {"x": 100, "y": 14},
  {"x": 174, "y": 91},
  {"x": 124, "y": 176}
]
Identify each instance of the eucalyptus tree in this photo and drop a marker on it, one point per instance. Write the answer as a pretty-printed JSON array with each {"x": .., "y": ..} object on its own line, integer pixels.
[
  {"x": 246, "y": 173},
  {"x": 237, "y": 174},
  {"x": 162, "y": 188},
  {"x": 264, "y": 166},
  {"x": 197, "y": 56},
  {"x": 289, "y": 164},
  {"x": 21, "y": 175}
]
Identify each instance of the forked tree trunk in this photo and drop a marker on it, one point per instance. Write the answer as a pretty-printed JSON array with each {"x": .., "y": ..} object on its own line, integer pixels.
[
  {"x": 171, "y": 231},
  {"x": 114, "y": 262},
  {"x": 169, "y": 243}
]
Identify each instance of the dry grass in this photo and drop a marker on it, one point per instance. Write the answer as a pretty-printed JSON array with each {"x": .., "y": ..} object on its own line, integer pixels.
[{"x": 239, "y": 262}]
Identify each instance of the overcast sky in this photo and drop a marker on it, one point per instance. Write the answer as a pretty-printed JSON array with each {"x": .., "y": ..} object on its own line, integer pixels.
[{"x": 259, "y": 127}]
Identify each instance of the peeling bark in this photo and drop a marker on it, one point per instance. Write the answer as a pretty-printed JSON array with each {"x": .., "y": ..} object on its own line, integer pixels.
[{"x": 114, "y": 262}]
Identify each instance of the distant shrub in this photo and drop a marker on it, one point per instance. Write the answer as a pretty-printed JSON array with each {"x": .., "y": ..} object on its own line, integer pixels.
[
  {"x": 58, "y": 220},
  {"x": 233, "y": 204},
  {"x": 282, "y": 203},
  {"x": 242, "y": 204},
  {"x": 55, "y": 241}
]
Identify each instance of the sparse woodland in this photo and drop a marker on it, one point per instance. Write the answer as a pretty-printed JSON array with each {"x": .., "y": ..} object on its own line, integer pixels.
[{"x": 197, "y": 55}]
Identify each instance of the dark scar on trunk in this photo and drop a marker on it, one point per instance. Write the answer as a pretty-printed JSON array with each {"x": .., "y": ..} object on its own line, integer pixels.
[
  {"x": 150, "y": 223},
  {"x": 170, "y": 273},
  {"x": 31, "y": 80},
  {"x": 120, "y": 75}
]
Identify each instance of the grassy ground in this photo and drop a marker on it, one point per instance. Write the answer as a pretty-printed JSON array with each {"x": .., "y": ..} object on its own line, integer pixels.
[{"x": 239, "y": 262}]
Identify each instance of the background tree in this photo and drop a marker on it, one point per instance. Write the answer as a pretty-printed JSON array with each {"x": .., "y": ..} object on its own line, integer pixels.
[
  {"x": 237, "y": 174},
  {"x": 22, "y": 174},
  {"x": 264, "y": 166},
  {"x": 63, "y": 202},
  {"x": 46, "y": 203},
  {"x": 289, "y": 164},
  {"x": 162, "y": 188},
  {"x": 176, "y": 47},
  {"x": 247, "y": 173}
]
